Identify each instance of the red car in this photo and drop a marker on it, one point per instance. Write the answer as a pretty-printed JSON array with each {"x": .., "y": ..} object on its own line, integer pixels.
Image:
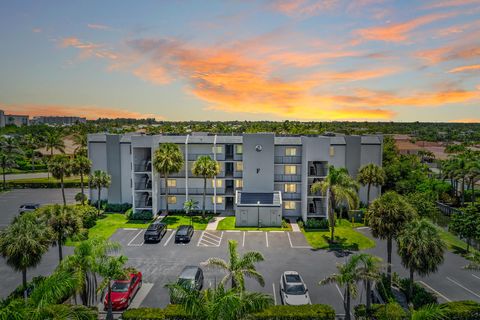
[{"x": 123, "y": 291}]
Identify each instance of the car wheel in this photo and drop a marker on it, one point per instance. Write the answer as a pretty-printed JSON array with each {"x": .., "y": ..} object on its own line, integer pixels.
[
  {"x": 129, "y": 302},
  {"x": 140, "y": 284}
]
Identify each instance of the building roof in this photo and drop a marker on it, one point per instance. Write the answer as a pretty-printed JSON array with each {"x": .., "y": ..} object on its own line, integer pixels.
[
  {"x": 371, "y": 140},
  {"x": 288, "y": 140},
  {"x": 259, "y": 198}
]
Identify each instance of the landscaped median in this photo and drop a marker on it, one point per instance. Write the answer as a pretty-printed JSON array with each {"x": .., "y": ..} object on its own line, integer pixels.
[
  {"x": 228, "y": 223},
  {"x": 346, "y": 237},
  {"x": 199, "y": 223},
  {"x": 71, "y": 182},
  {"x": 173, "y": 312}
]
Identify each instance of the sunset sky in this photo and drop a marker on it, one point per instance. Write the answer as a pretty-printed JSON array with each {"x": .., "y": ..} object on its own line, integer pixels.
[{"x": 242, "y": 60}]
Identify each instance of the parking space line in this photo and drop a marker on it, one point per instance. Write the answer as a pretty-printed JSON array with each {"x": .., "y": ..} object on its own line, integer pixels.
[
  {"x": 254, "y": 231},
  {"x": 243, "y": 241},
  {"x": 209, "y": 240},
  {"x": 274, "y": 293},
  {"x": 169, "y": 238},
  {"x": 276, "y": 231},
  {"x": 233, "y": 231},
  {"x": 461, "y": 286},
  {"x": 296, "y": 247},
  {"x": 130, "y": 229},
  {"x": 476, "y": 276},
  {"x": 266, "y": 238},
  {"x": 208, "y": 243},
  {"x": 339, "y": 291},
  {"x": 135, "y": 245},
  {"x": 434, "y": 291}
]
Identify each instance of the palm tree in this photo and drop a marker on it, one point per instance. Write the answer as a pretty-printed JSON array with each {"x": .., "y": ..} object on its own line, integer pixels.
[
  {"x": 371, "y": 175},
  {"x": 84, "y": 263},
  {"x": 368, "y": 271},
  {"x": 64, "y": 223},
  {"x": 32, "y": 143},
  {"x": 189, "y": 206},
  {"x": 238, "y": 267},
  {"x": 80, "y": 142},
  {"x": 340, "y": 189},
  {"x": 81, "y": 165},
  {"x": 421, "y": 249},
  {"x": 61, "y": 167},
  {"x": 473, "y": 175},
  {"x": 207, "y": 168},
  {"x": 218, "y": 303},
  {"x": 54, "y": 141},
  {"x": 347, "y": 276},
  {"x": 111, "y": 268},
  {"x": 98, "y": 180},
  {"x": 386, "y": 217},
  {"x": 9, "y": 151},
  {"x": 168, "y": 159},
  {"x": 24, "y": 242}
]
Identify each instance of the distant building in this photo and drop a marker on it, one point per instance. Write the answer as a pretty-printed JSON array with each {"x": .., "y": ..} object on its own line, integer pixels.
[
  {"x": 63, "y": 121},
  {"x": 13, "y": 119}
]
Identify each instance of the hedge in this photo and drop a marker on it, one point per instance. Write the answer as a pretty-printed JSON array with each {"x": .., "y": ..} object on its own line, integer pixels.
[
  {"x": 308, "y": 312},
  {"x": 462, "y": 310},
  {"x": 174, "y": 312},
  {"x": 43, "y": 184}
]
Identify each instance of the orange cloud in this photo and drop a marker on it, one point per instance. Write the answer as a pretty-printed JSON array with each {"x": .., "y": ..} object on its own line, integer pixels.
[
  {"x": 88, "y": 49},
  {"x": 448, "y": 53},
  {"x": 466, "y": 120},
  {"x": 303, "y": 7},
  {"x": 398, "y": 32},
  {"x": 36, "y": 30},
  {"x": 471, "y": 68},
  {"x": 303, "y": 60},
  {"x": 90, "y": 112}
]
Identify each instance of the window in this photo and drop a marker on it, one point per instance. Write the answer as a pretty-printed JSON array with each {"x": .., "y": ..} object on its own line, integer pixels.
[
  {"x": 239, "y": 149},
  {"x": 291, "y": 187},
  {"x": 171, "y": 183},
  {"x": 289, "y": 205},
  {"x": 291, "y": 151},
  {"x": 217, "y": 149},
  {"x": 239, "y": 166},
  {"x": 172, "y": 199},
  {"x": 238, "y": 183},
  {"x": 219, "y": 200},
  {"x": 219, "y": 183},
  {"x": 332, "y": 151},
  {"x": 290, "y": 169}
]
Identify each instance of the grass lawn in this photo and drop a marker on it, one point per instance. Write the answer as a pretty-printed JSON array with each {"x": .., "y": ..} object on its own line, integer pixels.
[
  {"x": 199, "y": 223},
  {"x": 454, "y": 244},
  {"x": 228, "y": 223},
  {"x": 345, "y": 237},
  {"x": 46, "y": 180},
  {"x": 107, "y": 226}
]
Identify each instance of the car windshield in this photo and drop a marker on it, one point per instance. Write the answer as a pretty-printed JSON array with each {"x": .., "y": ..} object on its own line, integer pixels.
[
  {"x": 295, "y": 289},
  {"x": 120, "y": 287},
  {"x": 293, "y": 278},
  {"x": 187, "y": 283},
  {"x": 152, "y": 227},
  {"x": 182, "y": 231}
]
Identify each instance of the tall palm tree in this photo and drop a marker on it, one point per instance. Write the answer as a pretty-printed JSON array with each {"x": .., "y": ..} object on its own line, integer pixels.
[
  {"x": 421, "y": 249},
  {"x": 348, "y": 277},
  {"x": 473, "y": 175},
  {"x": 368, "y": 271},
  {"x": 207, "y": 168},
  {"x": 60, "y": 167},
  {"x": 340, "y": 189},
  {"x": 84, "y": 263},
  {"x": 32, "y": 143},
  {"x": 9, "y": 151},
  {"x": 98, "y": 180},
  {"x": 64, "y": 223},
  {"x": 54, "y": 141},
  {"x": 24, "y": 242},
  {"x": 167, "y": 160},
  {"x": 111, "y": 268},
  {"x": 238, "y": 267},
  {"x": 81, "y": 165},
  {"x": 80, "y": 142},
  {"x": 218, "y": 303},
  {"x": 386, "y": 217},
  {"x": 371, "y": 175}
]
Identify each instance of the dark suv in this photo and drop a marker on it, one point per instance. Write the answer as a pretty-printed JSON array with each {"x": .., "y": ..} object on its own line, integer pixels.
[
  {"x": 184, "y": 233},
  {"x": 155, "y": 231},
  {"x": 27, "y": 207}
]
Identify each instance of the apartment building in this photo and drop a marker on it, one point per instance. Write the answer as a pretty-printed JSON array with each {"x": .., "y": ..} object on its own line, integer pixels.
[
  {"x": 58, "y": 120},
  {"x": 263, "y": 177}
]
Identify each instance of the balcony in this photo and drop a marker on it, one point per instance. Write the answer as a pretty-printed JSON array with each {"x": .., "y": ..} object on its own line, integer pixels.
[
  {"x": 143, "y": 166},
  {"x": 317, "y": 168},
  {"x": 143, "y": 200},
  {"x": 316, "y": 208},
  {"x": 288, "y": 159},
  {"x": 288, "y": 178},
  {"x": 291, "y": 196}
]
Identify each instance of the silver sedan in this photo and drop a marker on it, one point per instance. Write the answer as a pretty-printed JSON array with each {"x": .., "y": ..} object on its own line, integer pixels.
[{"x": 293, "y": 290}]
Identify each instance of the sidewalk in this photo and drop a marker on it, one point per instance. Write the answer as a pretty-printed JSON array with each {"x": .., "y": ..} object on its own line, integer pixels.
[
  {"x": 212, "y": 225},
  {"x": 294, "y": 224}
]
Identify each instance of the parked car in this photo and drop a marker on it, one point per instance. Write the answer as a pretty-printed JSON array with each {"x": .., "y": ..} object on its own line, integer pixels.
[
  {"x": 27, "y": 207},
  {"x": 191, "y": 276},
  {"x": 155, "y": 231},
  {"x": 293, "y": 290},
  {"x": 184, "y": 233},
  {"x": 123, "y": 291}
]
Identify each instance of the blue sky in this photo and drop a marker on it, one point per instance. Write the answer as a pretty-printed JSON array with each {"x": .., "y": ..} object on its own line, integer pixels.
[{"x": 255, "y": 60}]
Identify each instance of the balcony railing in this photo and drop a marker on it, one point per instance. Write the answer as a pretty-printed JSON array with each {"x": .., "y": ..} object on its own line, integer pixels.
[
  {"x": 288, "y": 159},
  {"x": 291, "y": 196},
  {"x": 144, "y": 167},
  {"x": 196, "y": 191},
  {"x": 288, "y": 178}
]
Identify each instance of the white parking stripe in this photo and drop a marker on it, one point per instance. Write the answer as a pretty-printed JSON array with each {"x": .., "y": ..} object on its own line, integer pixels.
[
  {"x": 274, "y": 293},
  {"x": 169, "y": 238},
  {"x": 266, "y": 238},
  {"x": 476, "y": 276},
  {"x": 339, "y": 291},
  {"x": 210, "y": 240},
  {"x": 208, "y": 243},
  {"x": 233, "y": 230},
  {"x": 243, "y": 241},
  {"x": 435, "y": 291},
  {"x": 296, "y": 247},
  {"x": 135, "y": 245},
  {"x": 461, "y": 286},
  {"x": 254, "y": 231}
]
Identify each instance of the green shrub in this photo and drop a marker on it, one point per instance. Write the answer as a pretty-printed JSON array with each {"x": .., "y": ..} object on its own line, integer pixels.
[
  {"x": 88, "y": 214},
  {"x": 420, "y": 296},
  {"x": 143, "y": 314},
  {"x": 129, "y": 213},
  {"x": 117, "y": 207},
  {"x": 462, "y": 310},
  {"x": 319, "y": 224},
  {"x": 175, "y": 312},
  {"x": 310, "y": 312},
  {"x": 141, "y": 215},
  {"x": 41, "y": 184},
  {"x": 383, "y": 288},
  {"x": 19, "y": 291},
  {"x": 389, "y": 311},
  {"x": 285, "y": 224}
]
